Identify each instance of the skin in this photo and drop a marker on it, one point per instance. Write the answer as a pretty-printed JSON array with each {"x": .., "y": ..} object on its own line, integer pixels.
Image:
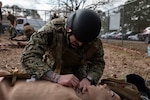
[
  {"x": 74, "y": 42},
  {"x": 105, "y": 93}
]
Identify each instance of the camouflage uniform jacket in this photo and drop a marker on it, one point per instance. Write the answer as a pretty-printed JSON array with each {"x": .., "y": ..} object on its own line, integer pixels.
[{"x": 39, "y": 56}]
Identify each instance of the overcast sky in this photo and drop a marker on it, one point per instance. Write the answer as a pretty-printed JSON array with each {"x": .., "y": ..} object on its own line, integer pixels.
[
  {"x": 29, "y": 4},
  {"x": 43, "y": 4}
]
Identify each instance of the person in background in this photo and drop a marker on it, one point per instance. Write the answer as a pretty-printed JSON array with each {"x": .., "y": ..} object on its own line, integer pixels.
[
  {"x": 28, "y": 30},
  {"x": 12, "y": 23},
  {"x": 22, "y": 40},
  {"x": 1, "y": 18},
  {"x": 54, "y": 16},
  {"x": 72, "y": 56}
]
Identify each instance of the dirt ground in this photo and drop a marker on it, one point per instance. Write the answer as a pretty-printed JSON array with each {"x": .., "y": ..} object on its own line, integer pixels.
[
  {"x": 119, "y": 61},
  {"x": 122, "y": 61}
]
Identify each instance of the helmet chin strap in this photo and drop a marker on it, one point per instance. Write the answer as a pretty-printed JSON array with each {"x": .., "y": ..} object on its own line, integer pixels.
[{"x": 68, "y": 40}]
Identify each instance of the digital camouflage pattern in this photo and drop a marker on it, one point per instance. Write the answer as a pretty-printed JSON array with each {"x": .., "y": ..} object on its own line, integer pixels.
[{"x": 39, "y": 56}]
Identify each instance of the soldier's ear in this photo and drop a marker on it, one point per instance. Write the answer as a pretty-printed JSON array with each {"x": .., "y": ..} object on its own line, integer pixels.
[{"x": 69, "y": 30}]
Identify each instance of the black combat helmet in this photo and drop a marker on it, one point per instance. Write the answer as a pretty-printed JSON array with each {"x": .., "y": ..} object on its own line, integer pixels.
[{"x": 85, "y": 24}]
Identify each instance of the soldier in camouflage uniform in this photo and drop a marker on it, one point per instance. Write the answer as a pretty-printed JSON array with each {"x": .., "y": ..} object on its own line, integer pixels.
[
  {"x": 12, "y": 22},
  {"x": 71, "y": 55},
  {"x": 28, "y": 30}
]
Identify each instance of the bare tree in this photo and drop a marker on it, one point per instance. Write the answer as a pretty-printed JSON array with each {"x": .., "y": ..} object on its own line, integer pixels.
[
  {"x": 96, "y": 3},
  {"x": 72, "y": 5}
]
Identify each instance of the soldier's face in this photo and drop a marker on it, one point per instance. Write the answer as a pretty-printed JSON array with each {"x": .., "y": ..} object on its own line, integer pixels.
[{"x": 74, "y": 42}]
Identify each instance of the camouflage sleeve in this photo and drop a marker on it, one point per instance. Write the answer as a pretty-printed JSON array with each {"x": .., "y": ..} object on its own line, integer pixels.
[
  {"x": 33, "y": 53},
  {"x": 97, "y": 64}
]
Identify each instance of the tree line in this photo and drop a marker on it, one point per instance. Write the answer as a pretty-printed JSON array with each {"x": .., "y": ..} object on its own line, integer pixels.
[{"x": 137, "y": 15}]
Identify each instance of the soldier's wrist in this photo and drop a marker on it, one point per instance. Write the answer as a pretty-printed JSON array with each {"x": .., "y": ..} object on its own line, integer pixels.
[
  {"x": 52, "y": 76},
  {"x": 57, "y": 77},
  {"x": 89, "y": 78}
]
